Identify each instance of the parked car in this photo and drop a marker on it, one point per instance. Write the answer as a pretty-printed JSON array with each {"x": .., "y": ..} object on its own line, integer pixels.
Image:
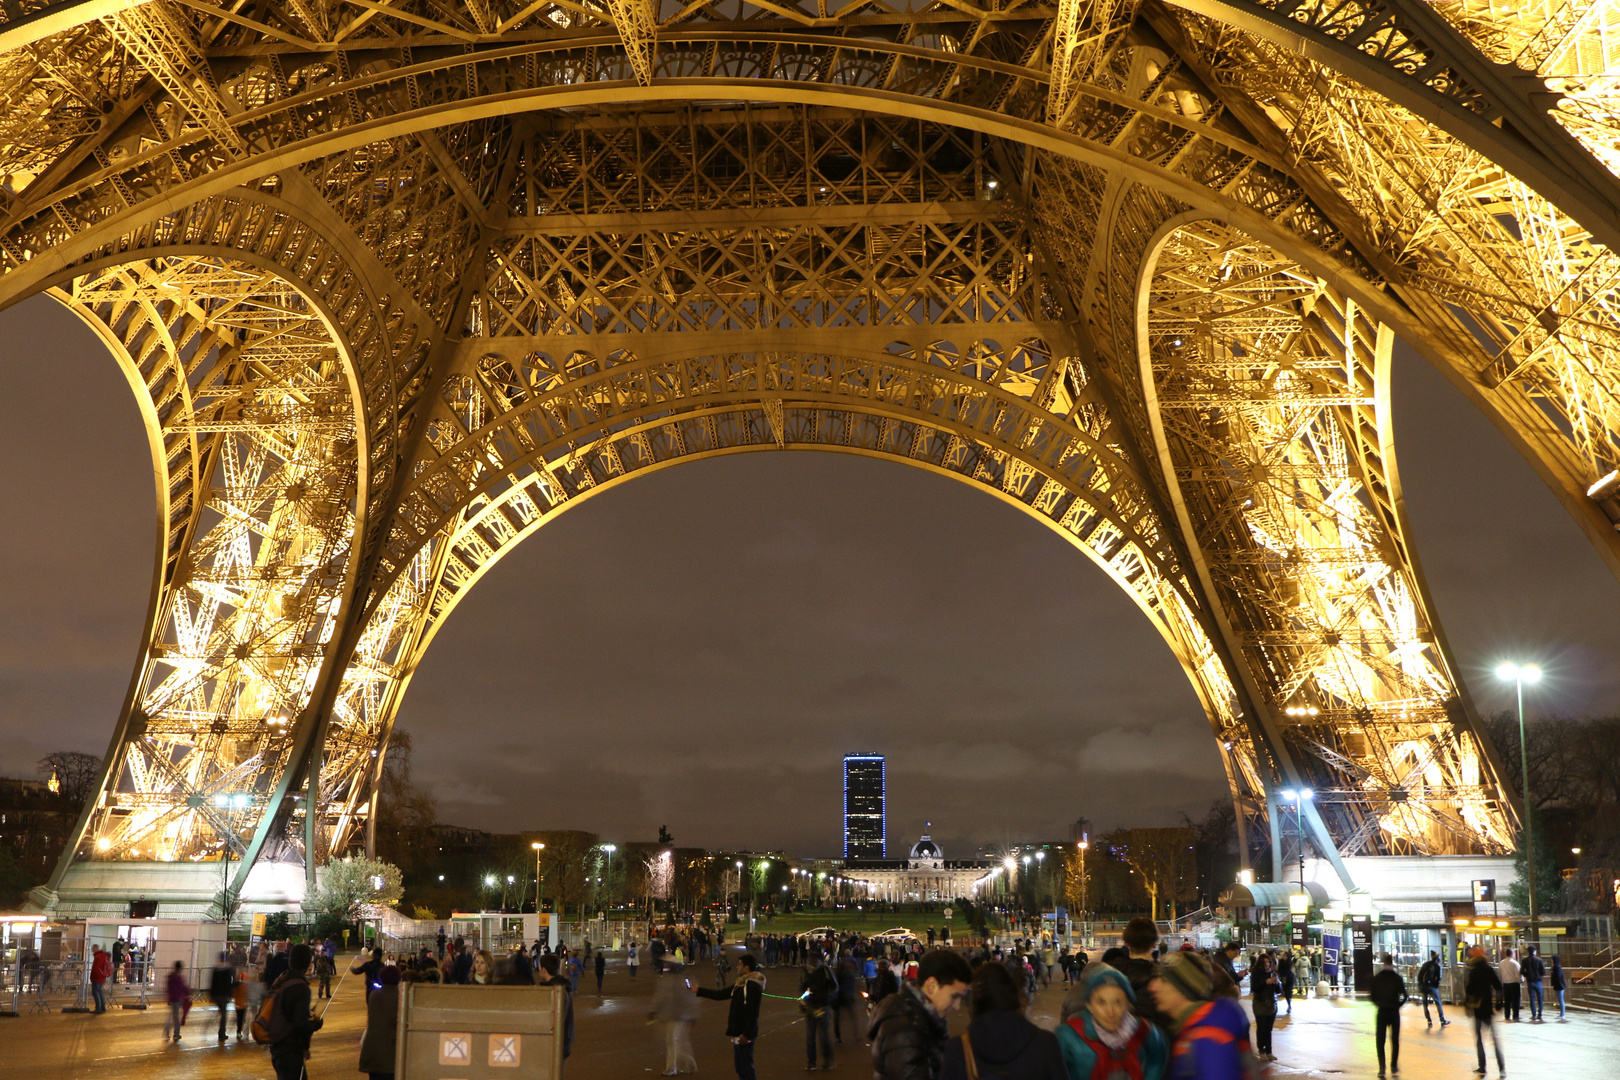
[{"x": 898, "y": 935}]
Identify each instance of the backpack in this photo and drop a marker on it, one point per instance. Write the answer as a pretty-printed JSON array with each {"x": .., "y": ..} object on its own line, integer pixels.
[
  {"x": 1194, "y": 1027},
  {"x": 271, "y": 1025}
]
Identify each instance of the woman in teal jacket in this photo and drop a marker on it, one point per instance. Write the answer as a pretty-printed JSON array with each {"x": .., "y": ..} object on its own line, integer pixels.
[{"x": 1105, "y": 1038}]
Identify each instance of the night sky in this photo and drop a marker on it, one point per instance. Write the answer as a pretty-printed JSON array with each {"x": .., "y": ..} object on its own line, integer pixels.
[{"x": 700, "y": 648}]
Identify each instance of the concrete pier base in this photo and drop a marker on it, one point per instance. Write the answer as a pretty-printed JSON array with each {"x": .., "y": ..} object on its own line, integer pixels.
[{"x": 181, "y": 889}]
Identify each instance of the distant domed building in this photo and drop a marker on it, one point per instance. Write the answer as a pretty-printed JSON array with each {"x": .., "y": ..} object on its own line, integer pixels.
[
  {"x": 924, "y": 875},
  {"x": 926, "y": 848}
]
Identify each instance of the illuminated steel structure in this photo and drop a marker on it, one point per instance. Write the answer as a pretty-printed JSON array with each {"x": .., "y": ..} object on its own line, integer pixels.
[
  {"x": 396, "y": 281},
  {"x": 865, "y": 807}
]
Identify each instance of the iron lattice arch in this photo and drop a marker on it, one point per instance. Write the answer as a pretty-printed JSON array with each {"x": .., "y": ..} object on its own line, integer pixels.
[{"x": 398, "y": 281}]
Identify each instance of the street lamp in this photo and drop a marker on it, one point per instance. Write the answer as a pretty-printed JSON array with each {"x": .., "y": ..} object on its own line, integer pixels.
[
  {"x": 538, "y": 848},
  {"x": 226, "y": 802},
  {"x": 1085, "y": 845},
  {"x": 1521, "y": 674},
  {"x": 610, "y": 849},
  {"x": 1299, "y": 798}
]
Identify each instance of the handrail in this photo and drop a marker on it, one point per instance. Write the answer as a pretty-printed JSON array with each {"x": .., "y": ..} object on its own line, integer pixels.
[
  {"x": 1590, "y": 975},
  {"x": 1177, "y": 925}
]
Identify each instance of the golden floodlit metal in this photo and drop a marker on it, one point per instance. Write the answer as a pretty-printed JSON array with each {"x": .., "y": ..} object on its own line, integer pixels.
[{"x": 397, "y": 281}]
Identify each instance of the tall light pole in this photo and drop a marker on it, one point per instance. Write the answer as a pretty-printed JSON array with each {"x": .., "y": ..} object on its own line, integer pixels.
[
  {"x": 233, "y": 801},
  {"x": 538, "y": 848},
  {"x": 610, "y": 849},
  {"x": 1521, "y": 674},
  {"x": 1299, "y": 798},
  {"x": 1085, "y": 882}
]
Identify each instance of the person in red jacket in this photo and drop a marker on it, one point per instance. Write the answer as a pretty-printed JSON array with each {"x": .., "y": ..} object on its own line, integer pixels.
[{"x": 101, "y": 970}]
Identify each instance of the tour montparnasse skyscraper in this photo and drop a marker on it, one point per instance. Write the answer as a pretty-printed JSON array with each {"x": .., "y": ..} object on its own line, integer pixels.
[{"x": 864, "y": 810}]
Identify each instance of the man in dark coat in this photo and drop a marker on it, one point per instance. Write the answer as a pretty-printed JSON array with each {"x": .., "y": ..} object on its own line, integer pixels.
[
  {"x": 908, "y": 1031},
  {"x": 289, "y": 1051},
  {"x": 1429, "y": 987},
  {"x": 221, "y": 988},
  {"x": 818, "y": 996},
  {"x": 742, "y": 1020},
  {"x": 883, "y": 984},
  {"x": 276, "y": 966},
  {"x": 1140, "y": 968},
  {"x": 461, "y": 967},
  {"x": 369, "y": 970},
  {"x": 1226, "y": 960},
  {"x": 1389, "y": 994},
  {"x": 549, "y": 964},
  {"x": 1479, "y": 991},
  {"x": 1534, "y": 974}
]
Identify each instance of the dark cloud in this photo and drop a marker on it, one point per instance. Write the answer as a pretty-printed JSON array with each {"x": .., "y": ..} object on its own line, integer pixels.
[{"x": 701, "y": 647}]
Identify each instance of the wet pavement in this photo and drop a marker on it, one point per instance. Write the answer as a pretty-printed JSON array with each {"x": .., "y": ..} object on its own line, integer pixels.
[{"x": 1324, "y": 1038}]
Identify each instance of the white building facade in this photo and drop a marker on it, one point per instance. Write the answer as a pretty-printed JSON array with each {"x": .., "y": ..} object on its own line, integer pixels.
[{"x": 924, "y": 876}]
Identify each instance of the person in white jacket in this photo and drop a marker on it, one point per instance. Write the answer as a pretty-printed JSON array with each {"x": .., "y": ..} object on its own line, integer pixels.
[{"x": 1508, "y": 970}]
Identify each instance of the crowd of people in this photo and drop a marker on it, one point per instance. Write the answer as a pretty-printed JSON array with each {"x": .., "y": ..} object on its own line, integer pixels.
[
  {"x": 1131, "y": 1013},
  {"x": 1138, "y": 1011}
]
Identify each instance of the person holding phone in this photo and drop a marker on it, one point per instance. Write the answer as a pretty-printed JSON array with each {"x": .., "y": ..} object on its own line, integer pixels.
[{"x": 742, "y": 1021}]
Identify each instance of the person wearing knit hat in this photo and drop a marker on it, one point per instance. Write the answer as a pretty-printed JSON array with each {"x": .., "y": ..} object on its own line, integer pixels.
[
  {"x": 1211, "y": 1033},
  {"x": 1192, "y": 975},
  {"x": 1104, "y": 1037}
]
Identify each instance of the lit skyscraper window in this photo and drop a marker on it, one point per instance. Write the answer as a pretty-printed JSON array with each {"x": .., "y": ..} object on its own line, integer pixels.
[{"x": 865, "y": 826}]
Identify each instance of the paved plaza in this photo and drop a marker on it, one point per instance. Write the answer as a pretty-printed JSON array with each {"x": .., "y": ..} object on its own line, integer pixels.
[{"x": 1327, "y": 1038}]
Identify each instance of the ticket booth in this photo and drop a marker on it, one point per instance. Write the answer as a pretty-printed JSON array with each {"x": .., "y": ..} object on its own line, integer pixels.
[{"x": 153, "y": 945}]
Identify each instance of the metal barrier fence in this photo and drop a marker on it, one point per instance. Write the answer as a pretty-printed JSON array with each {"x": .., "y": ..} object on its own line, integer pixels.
[
  {"x": 30, "y": 984},
  {"x": 601, "y": 933}
]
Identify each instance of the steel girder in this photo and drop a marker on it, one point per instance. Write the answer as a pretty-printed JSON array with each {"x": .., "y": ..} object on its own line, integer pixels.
[{"x": 538, "y": 272}]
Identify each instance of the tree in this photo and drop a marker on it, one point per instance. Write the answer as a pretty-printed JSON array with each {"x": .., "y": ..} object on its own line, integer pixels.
[
  {"x": 76, "y": 773},
  {"x": 1076, "y": 889},
  {"x": 345, "y": 885},
  {"x": 1547, "y": 877},
  {"x": 691, "y": 884},
  {"x": 660, "y": 865},
  {"x": 567, "y": 863},
  {"x": 664, "y": 837},
  {"x": 405, "y": 813},
  {"x": 15, "y": 879},
  {"x": 1214, "y": 848},
  {"x": 1163, "y": 859}
]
